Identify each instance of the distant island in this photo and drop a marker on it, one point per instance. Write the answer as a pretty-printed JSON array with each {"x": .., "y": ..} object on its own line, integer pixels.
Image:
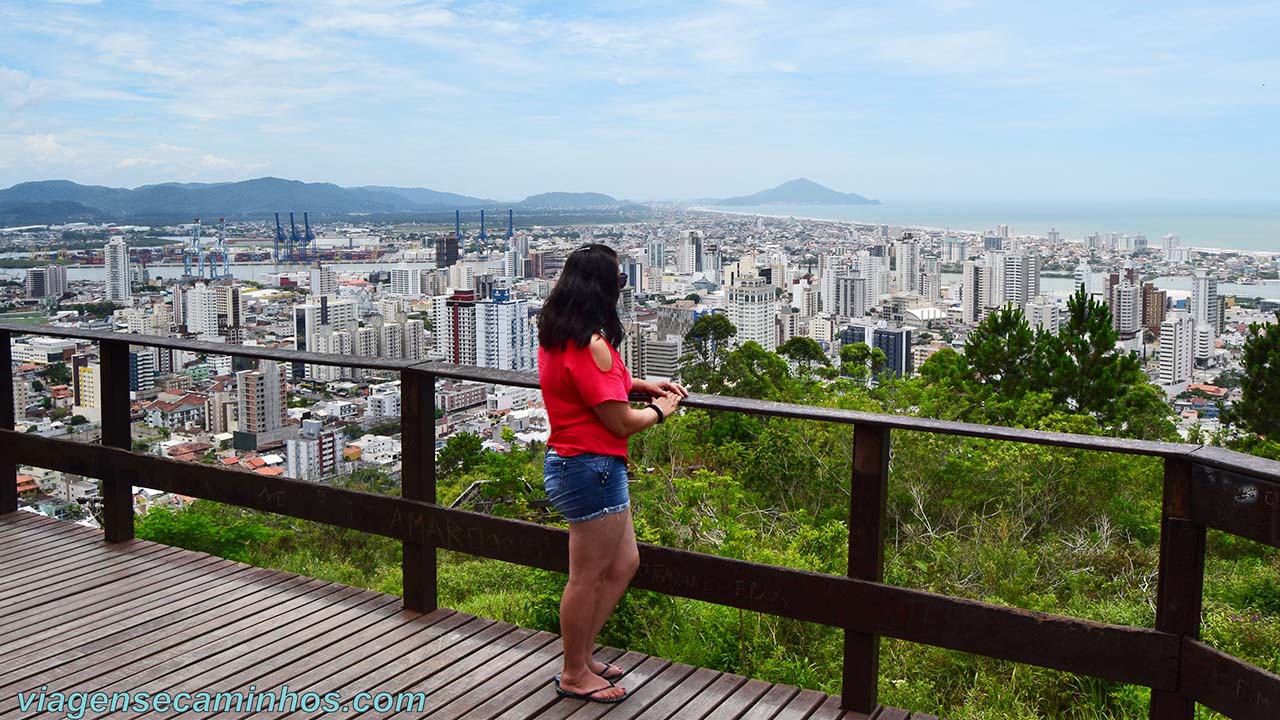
[{"x": 800, "y": 191}]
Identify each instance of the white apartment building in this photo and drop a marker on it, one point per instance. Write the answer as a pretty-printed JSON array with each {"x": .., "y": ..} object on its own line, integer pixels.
[{"x": 751, "y": 309}]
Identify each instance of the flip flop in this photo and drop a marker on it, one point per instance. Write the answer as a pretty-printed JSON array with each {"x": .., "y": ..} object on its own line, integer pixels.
[
  {"x": 612, "y": 676},
  {"x": 589, "y": 696}
]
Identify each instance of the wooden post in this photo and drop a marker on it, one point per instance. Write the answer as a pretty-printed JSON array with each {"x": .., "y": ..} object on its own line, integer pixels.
[
  {"x": 117, "y": 491},
  {"x": 418, "y": 482},
  {"x": 8, "y": 471},
  {"x": 1181, "y": 580},
  {"x": 866, "y": 559}
]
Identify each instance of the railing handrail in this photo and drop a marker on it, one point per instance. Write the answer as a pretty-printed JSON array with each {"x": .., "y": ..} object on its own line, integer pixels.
[
  {"x": 1154, "y": 448},
  {"x": 1203, "y": 487}
]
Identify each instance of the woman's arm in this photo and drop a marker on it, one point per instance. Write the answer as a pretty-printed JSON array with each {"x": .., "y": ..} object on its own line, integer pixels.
[{"x": 624, "y": 421}]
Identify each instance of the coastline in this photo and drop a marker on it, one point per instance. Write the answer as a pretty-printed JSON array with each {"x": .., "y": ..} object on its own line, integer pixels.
[{"x": 1269, "y": 255}]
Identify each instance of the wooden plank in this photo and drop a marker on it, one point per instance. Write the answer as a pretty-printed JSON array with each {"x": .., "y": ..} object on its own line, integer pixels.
[
  {"x": 117, "y": 487},
  {"x": 643, "y": 701},
  {"x": 97, "y": 581},
  {"x": 869, "y": 489},
  {"x": 355, "y": 655},
  {"x": 923, "y": 716},
  {"x": 500, "y": 659},
  {"x": 672, "y": 701},
  {"x": 741, "y": 700},
  {"x": 408, "y": 654},
  {"x": 1124, "y": 654},
  {"x": 73, "y": 571},
  {"x": 711, "y": 696},
  {"x": 1236, "y": 503},
  {"x": 27, "y": 549},
  {"x": 191, "y": 649},
  {"x": 771, "y": 703},
  {"x": 428, "y": 664},
  {"x": 801, "y": 706},
  {"x": 641, "y": 671},
  {"x": 134, "y": 606},
  {"x": 891, "y": 713},
  {"x": 418, "y": 482},
  {"x": 537, "y": 691},
  {"x": 93, "y": 668},
  {"x": 1229, "y": 685},
  {"x": 245, "y": 655},
  {"x": 830, "y": 710},
  {"x": 503, "y": 690},
  {"x": 1181, "y": 578},
  {"x": 1249, "y": 466}
]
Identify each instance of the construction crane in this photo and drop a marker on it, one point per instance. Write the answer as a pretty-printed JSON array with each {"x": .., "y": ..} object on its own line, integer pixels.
[
  {"x": 193, "y": 248},
  {"x": 483, "y": 236},
  {"x": 219, "y": 252},
  {"x": 281, "y": 241},
  {"x": 296, "y": 253},
  {"x": 511, "y": 225},
  {"x": 309, "y": 240}
]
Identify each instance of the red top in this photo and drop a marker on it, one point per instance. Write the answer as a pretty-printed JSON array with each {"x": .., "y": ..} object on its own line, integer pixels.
[{"x": 571, "y": 385}]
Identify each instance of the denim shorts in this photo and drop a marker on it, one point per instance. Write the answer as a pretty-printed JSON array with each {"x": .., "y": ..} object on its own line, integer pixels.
[{"x": 586, "y": 486}]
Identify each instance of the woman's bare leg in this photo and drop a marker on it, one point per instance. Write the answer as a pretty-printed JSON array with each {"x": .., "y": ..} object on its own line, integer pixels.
[{"x": 592, "y": 546}]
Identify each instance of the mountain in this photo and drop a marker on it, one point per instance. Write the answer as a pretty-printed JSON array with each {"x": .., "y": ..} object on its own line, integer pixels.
[
  {"x": 61, "y": 200},
  {"x": 424, "y": 198},
  {"x": 800, "y": 191},
  {"x": 569, "y": 200},
  {"x": 55, "y": 201}
]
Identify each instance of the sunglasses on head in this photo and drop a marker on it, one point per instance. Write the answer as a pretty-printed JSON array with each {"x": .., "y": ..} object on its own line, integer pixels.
[{"x": 622, "y": 280}]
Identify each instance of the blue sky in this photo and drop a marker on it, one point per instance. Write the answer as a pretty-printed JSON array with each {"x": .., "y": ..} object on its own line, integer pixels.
[{"x": 935, "y": 99}]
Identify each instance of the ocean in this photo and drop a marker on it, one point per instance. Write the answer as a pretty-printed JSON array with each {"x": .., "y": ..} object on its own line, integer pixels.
[{"x": 1230, "y": 227}]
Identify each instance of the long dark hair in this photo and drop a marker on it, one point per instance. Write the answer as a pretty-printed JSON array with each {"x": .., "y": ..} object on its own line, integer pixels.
[{"x": 584, "y": 300}]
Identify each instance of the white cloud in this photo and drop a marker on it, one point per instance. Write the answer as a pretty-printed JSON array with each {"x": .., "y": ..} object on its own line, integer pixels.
[
  {"x": 17, "y": 89},
  {"x": 946, "y": 52},
  {"x": 45, "y": 147}
]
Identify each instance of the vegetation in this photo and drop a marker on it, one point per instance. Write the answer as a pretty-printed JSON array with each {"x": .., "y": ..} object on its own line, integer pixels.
[{"x": 1043, "y": 528}]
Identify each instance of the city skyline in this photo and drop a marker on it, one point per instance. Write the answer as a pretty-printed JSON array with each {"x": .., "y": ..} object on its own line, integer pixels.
[{"x": 947, "y": 99}]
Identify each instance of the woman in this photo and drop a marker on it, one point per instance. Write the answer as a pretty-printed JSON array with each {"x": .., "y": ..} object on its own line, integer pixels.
[{"x": 585, "y": 387}]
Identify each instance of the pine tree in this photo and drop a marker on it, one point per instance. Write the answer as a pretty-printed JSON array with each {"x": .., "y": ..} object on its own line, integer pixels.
[
  {"x": 1258, "y": 410},
  {"x": 1001, "y": 352},
  {"x": 1081, "y": 365}
]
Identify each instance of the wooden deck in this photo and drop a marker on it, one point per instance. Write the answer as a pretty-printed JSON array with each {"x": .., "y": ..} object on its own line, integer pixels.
[{"x": 78, "y": 614}]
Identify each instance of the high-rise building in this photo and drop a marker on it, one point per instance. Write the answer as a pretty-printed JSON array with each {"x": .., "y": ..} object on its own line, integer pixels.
[
  {"x": 322, "y": 316},
  {"x": 1206, "y": 309},
  {"x": 660, "y": 357},
  {"x": 751, "y": 302},
  {"x": 850, "y": 297},
  {"x": 1043, "y": 314},
  {"x": 1176, "y": 345},
  {"x": 1155, "y": 304},
  {"x": 260, "y": 396},
  {"x": 503, "y": 338},
  {"x": 895, "y": 343},
  {"x": 974, "y": 292},
  {"x": 415, "y": 340},
  {"x": 49, "y": 281},
  {"x": 406, "y": 280},
  {"x": 656, "y": 254},
  {"x": 1084, "y": 276},
  {"x": 201, "y": 311},
  {"x": 689, "y": 252},
  {"x": 1205, "y": 341},
  {"x": 907, "y": 268},
  {"x": 391, "y": 340},
  {"x": 86, "y": 378},
  {"x": 142, "y": 370},
  {"x": 116, "y": 254},
  {"x": 324, "y": 281},
  {"x": 314, "y": 454},
  {"x": 1020, "y": 277},
  {"x": 1126, "y": 309},
  {"x": 447, "y": 250},
  {"x": 455, "y": 328}
]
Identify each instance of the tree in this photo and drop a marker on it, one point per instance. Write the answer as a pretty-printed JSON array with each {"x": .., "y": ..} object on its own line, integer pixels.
[
  {"x": 460, "y": 454},
  {"x": 805, "y": 352},
  {"x": 56, "y": 373},
  {"x": 751, "y": 371},
  {"x": 1081, "y": 366},
  {"x": 1258, "y": 410},
  {"x": 1001, "y": 352},
  {"x": 709, "y": 338},
  {"x": 79, "y": 420}
]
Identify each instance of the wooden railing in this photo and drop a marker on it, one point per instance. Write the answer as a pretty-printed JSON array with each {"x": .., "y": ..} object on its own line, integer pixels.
[{"x": 1204, "y": 487}]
